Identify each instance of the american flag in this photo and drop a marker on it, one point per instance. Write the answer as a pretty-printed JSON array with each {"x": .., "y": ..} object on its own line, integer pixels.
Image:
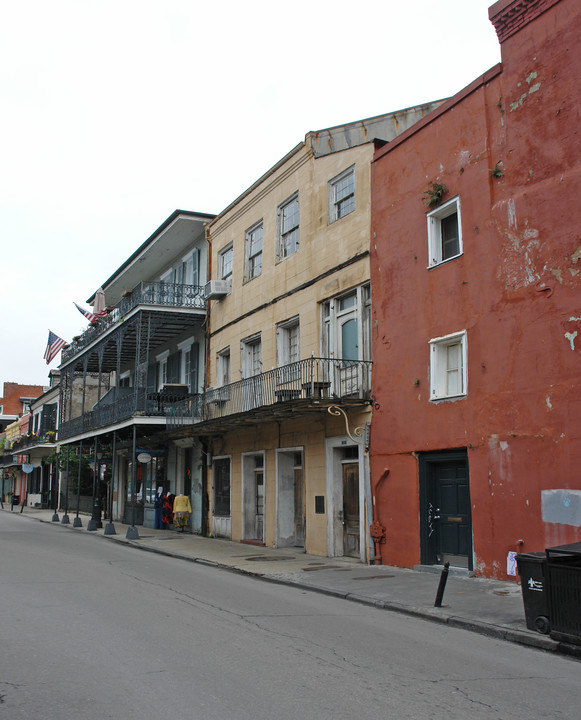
[
  {"x": 53, "y": 347},
  {"x": 91, "y": 317}
]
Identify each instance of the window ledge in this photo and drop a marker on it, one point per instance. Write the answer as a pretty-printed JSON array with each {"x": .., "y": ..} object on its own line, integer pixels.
[
  {"x": 332, "y": 221},
  {"x": 444, "y": 398},
  {"x": 444, "y": 262}
]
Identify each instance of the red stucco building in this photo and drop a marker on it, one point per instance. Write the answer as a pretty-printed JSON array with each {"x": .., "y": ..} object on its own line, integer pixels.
[{"x": 475, "y": 269}]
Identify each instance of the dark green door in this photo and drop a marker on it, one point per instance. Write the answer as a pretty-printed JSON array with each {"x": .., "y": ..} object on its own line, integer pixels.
[{"x": 445, "y": 506}]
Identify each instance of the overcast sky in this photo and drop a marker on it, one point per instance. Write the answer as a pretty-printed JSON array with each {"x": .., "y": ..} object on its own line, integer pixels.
[{"x": 116, "y": 113}]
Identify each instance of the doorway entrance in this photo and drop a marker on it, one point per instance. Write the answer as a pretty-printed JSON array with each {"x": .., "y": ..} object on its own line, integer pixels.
[
  {"x": 345, "y": 498},
  {"x": 445, "y": 516},
  {"x": 253, "y": 497},
  {"x": 290, "y": 498},
  {"x": 350, "y": 512}
]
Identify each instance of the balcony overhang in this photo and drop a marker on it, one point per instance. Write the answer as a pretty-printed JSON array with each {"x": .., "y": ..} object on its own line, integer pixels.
[
  {"x": 164, "y": 325},
  {"x": 279, "y": 412}
]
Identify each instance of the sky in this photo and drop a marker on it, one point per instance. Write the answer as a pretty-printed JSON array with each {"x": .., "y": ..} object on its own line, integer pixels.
[{"x": 113, "y": 114}]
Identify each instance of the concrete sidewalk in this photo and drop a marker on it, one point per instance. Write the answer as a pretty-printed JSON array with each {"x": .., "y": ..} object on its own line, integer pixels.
[{"x": 490, "y": 607}]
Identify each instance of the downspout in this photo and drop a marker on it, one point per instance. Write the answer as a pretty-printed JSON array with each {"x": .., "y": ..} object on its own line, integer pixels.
[{"x": 377, "y": 530}]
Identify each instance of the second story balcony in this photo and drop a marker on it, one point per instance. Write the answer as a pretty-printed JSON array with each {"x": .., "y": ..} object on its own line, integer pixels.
[
  {"x": 149, "y": 295},
  {"x": 26, "y": 442},
  {"x": 299, "y": 388}
]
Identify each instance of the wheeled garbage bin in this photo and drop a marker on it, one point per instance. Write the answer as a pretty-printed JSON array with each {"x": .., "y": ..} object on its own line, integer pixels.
[
  {"x": 564, "y": 583},
  {"x": 532, "y": 568}
]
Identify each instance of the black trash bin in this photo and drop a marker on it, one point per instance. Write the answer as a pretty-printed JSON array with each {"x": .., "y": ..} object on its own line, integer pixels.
[
  {"x": 564, "y": 584},
  {"x": 532, "y": 568}
]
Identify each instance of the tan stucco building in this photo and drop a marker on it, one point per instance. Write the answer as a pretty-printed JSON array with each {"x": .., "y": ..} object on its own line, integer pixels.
[{"x": 289, "y": 347}]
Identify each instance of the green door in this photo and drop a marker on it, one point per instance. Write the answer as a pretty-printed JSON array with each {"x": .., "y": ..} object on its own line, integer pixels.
[{"x": 445, "y": 509}]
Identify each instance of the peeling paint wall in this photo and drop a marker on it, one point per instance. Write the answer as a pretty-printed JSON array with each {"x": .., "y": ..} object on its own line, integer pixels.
[{"x": 509, "y": 150}]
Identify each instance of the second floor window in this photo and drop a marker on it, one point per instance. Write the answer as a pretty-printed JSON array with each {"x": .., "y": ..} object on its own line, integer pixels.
[
  {"x": 448, "y": 366},
  {"x": 223, "y": 367},
  {"x": 253, "y": 261},
  {"x": 251, "y": 360},
  {"x": 346, "y": 326},
  {"x": 288, "y": 348},
  {"x": 288, "y": 227}
]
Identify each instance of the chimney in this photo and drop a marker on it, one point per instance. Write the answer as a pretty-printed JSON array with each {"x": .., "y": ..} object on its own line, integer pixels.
[{"x": 510, "y": 16}]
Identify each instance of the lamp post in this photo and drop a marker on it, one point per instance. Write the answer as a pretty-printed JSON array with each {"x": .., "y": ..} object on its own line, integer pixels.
[
  {"x": 95, "y": 521},
  {"x": 132, "y": 533},
  {"x": 77, "y": 522},
  {"x": 109, "y": 527},
  {"x": 65, "y": 518},
  {"x": 53, "y": 488}
]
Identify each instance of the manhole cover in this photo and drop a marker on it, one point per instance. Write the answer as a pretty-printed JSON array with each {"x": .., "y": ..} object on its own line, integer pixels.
[
  {"x": 265, "y": 558},
  {"x": 324, "y": 567}
]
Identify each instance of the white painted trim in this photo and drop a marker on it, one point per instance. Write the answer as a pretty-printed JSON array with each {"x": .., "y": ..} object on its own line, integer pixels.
[
  {"x": 186, "y": 344},
  {"x": 436, "y": 346},
  {"x": 334, "y": 494},
  {"x": 434, "y": 231}
]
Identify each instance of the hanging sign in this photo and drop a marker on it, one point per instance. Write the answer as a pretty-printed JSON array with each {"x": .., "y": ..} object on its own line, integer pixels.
[
  {"x": 27, "y": 468},
  {"x": 144, "y": 458}
]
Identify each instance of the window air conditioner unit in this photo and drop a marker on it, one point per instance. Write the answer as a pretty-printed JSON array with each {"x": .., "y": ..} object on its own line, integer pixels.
[{"x": 216, "y": 289}]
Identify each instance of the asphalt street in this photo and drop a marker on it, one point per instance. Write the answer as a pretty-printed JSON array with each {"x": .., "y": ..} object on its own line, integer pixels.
[{"x": 94, "y": 629}]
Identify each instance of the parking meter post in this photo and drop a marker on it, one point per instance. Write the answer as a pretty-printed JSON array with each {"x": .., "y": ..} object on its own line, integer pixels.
[{"x": 442, "y": 585}]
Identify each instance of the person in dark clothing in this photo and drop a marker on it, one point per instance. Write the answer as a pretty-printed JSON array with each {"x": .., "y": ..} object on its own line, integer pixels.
[
  {"x": 158, "y": 507},
  {"x": 167, "y": 510}
]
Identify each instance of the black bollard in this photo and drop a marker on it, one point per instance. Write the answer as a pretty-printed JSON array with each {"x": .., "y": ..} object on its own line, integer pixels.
[{"x": 442, "y": 585}]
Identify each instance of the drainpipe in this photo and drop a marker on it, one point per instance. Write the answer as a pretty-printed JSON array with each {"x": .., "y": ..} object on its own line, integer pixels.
[{"x": 377, "y": 530}]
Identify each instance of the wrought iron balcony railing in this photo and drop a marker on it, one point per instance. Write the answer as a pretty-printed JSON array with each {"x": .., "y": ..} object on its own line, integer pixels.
[
  {"x": 309, "y": 381},
  {"x": 162, "y": 295},
  {"x": 32, "y": 440}
]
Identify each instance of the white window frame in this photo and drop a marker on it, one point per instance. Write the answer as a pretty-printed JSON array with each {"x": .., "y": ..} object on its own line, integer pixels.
[
  {"x": 286, "y": 353},
  {"x": 287, "y": 241},
  {"x": 253, "y": 258},
  {"x": 337, "y": 200},
  {"x": 223, "y": 365},
  {"x": 440, "y": 370},
  {"x": 284, "y": 346},
  {"x": 434, "y": 218},
  {"x": 225, "y": 268},
  {"x": 332, "y": 316},
  {"x": 188, "y": 272},
  {"x": 125, "y": 379},
  {"x": 185, "y": 350},
  {"x": 161, "y": 361},
  {"x": 251, "y": 349}
]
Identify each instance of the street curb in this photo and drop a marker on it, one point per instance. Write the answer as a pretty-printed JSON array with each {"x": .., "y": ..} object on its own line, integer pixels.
[{"x": 538, "y": 642}]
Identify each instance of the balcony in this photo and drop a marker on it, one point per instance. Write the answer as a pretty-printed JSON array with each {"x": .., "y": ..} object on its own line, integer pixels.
[
  {"x": 154, "y": 295},
  {"x": 298, "y": 388},
  {"x": 25, "y": 442}
]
